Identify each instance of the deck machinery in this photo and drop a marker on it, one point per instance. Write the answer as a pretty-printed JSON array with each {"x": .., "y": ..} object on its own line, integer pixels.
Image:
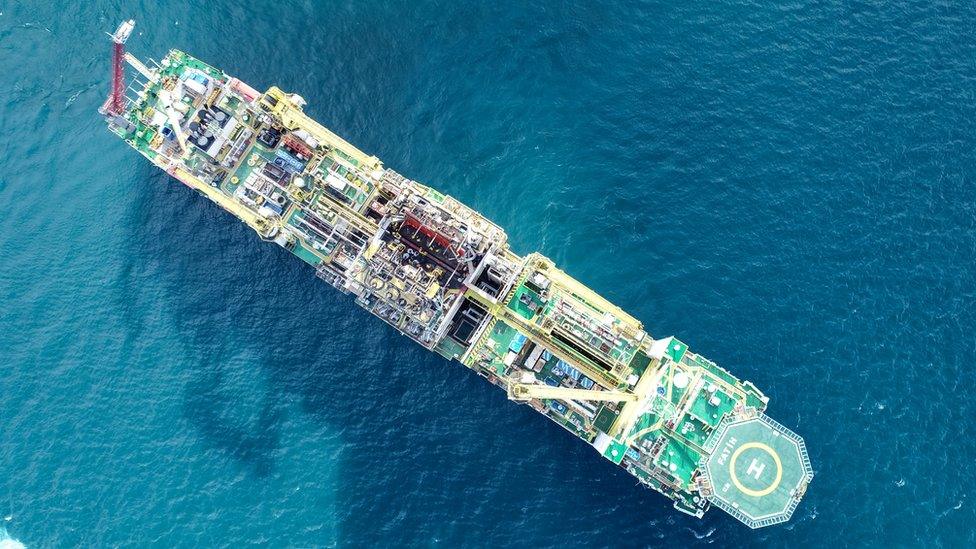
[{"x": 443, "y": 275}]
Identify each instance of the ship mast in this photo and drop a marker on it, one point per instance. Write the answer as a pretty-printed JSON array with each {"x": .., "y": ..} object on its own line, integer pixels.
[{"x": 115, "y": 103}]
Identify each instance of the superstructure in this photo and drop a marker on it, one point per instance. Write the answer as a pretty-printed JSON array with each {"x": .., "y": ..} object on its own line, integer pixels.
[{"x": 444, "y": 276}]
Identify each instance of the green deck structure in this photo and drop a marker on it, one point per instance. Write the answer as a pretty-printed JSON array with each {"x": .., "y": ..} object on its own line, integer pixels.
[{"x": 758, "y": 469}]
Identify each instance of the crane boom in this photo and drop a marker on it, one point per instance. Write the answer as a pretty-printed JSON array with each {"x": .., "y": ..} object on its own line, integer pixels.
[
  {"x": 140, "y": 66},
  {"x": 527, "y": 391}
]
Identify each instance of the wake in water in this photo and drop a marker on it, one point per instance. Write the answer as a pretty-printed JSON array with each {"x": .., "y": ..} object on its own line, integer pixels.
[{"x": 7, "y": 542}]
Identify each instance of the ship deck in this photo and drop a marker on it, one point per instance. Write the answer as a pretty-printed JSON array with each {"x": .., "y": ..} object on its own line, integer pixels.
[{"x": 443, "y": 275}]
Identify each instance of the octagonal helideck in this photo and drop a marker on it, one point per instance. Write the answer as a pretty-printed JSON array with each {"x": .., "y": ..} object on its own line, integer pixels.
[{"x": 757, "y": 469}]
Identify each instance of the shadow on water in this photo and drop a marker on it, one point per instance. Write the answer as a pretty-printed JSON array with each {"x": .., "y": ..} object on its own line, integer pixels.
[
  {"x": 232, "y": 411},
  {"x": 262, "y": 337},
  {"x": 211, "y": 411}
]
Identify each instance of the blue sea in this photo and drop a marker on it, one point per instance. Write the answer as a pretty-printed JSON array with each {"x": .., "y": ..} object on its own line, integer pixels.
[{"x": 789, "y": 187}]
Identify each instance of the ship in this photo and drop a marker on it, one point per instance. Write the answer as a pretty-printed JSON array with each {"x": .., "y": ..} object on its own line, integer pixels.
[{"x": 444, "y": 276}]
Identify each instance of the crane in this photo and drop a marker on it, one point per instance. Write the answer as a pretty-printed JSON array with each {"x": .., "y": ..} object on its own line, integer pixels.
[
  {"x": 175, "y": 118},
  {"x": 529, "y": 391},
  {"x": 527, "y": 388}
]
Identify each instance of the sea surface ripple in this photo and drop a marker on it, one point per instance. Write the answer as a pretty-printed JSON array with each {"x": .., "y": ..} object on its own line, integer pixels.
[{"x": 789, "y": 187}]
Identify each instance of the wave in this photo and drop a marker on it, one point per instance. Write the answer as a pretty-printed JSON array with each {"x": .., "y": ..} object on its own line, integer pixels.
[{"x": 7, "y": 542}]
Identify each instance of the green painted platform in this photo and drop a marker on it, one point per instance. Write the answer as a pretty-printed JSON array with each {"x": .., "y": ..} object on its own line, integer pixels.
[
  {"x": 758, "y": 469},
  {"x": 306, "y": 255}
]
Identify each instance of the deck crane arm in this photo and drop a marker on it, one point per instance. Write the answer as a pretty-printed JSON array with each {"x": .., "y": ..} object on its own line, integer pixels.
[
  {"x": 141, "y": 67},
  {"x": 528, "y": 391},
  {"x": 174, "y": 117}
]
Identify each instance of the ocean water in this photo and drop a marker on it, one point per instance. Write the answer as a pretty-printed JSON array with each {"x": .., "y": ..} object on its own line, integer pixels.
[{"x": 788, "y": 186}]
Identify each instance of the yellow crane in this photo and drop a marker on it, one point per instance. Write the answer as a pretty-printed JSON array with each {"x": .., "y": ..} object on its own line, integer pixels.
[{"x": 528, "y": 391}]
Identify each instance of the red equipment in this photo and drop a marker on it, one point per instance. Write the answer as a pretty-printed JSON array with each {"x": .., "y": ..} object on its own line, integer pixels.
[{"x": 115, "y": 104}]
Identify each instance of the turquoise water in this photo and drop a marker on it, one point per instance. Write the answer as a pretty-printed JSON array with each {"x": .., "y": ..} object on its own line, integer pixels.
[{"x": 789, "y": 188}]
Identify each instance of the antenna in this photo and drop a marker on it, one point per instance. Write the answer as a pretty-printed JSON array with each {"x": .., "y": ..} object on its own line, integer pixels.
[{"x": 115, "y": 104}]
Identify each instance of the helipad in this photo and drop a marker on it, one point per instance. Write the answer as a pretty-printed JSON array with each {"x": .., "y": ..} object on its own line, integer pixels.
[{"x": 757, "y": 469}]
